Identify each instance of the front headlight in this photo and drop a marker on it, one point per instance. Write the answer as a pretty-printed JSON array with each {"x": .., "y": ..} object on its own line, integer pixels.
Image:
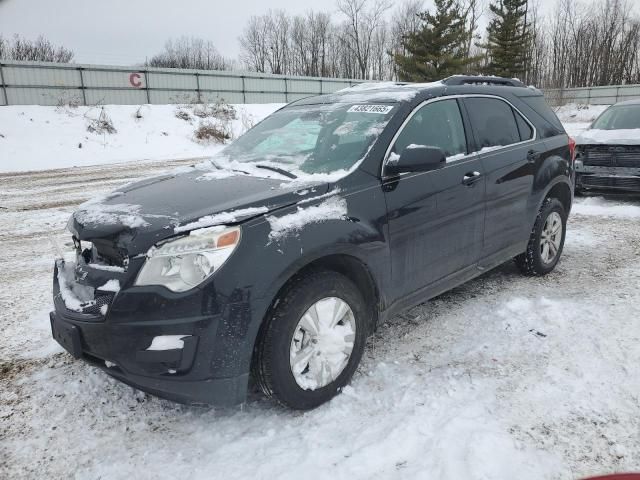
[{"x": 186, "y": 262}]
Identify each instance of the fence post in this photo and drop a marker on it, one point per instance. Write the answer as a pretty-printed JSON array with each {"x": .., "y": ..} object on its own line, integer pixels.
[
  {"x": 286, "y": 91},
  {"x": 146, "y": 85},
  {"x": 320, "y": 81},
  {"x": 244, "y": 94},
  {"x": 617, "y": 94},
  {"x": 4, "y": 87},
  {"x": 82, "y": 87},
  {"x": 589, "y": 96},
  {"x": 198, "y": 87}
]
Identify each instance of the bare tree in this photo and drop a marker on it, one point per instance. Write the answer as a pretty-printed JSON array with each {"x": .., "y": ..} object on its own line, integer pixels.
[
  {"x": 472, "y": 10},
  {"x": 364, "y": 18},
  {"x": 253, "y": 42},
  {"x": 404, "y": 22},
  {"x": 38, "y": 50},
  {"x": 190, "y": 52}
]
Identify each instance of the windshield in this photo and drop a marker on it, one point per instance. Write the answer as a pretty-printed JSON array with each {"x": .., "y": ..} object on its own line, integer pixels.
[
  {"x": 619, "y": 118},
  {"x": 312, "y": 138}
]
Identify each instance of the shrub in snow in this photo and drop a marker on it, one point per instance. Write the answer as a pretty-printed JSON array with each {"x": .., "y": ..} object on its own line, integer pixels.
[
  {"x": 102, "y": 124},
  {"x": 213, "y": 132},
  {"x": 219, "y": 110},
  {"x": 183, "y": 115}
]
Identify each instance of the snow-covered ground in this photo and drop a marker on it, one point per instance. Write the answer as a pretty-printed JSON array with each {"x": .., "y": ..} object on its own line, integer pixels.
[
  {"x": 36, "y": 138},
  {"x": 578, "y": 118},
  {"x": 505, "y": 377}
]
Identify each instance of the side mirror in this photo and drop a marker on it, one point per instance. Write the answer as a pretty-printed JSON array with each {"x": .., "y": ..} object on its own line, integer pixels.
[{"x": 417, "y": 158}]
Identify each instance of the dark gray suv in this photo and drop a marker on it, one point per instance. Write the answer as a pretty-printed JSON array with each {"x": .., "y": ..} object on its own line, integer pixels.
[{"x": 279, "y": 257}]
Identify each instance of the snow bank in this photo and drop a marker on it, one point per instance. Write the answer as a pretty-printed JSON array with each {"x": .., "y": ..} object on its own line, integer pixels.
[
  {"x": 574, "y": 113},
  {"x": 598, "y": 206},
  {"x": 37, "y": 137},
  {"x": 334, "y": 208}
]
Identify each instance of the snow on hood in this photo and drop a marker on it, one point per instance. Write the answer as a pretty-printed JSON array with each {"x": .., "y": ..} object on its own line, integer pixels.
[
  {"x": 333, "y": 208},
  {"x": 609, "y": 137},
  {"x": 222, "y": 218}
]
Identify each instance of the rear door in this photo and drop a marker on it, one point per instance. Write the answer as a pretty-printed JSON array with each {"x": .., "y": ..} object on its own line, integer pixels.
[
  {"x": 508, "y": 150},
  {"x": 435, "y": 218}
]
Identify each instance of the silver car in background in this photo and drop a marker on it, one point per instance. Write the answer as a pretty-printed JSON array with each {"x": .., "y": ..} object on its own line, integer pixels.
[{"x": 608, "y": 153}]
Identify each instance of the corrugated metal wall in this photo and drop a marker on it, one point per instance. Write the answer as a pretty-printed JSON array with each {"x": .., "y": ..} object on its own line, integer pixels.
[
  {"x": 593, "y": 95},
  {"x": 39, "y": 83}
]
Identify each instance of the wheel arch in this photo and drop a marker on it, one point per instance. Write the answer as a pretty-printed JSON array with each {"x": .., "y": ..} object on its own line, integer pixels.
[
  {"x": 562, "y": 191},
  {"x": 347, "y": 264}
]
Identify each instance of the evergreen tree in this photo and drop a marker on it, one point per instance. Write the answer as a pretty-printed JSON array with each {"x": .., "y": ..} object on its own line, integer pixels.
[
  {"x": 437, "y": 49},
  {"x": 508, "y": 38}
]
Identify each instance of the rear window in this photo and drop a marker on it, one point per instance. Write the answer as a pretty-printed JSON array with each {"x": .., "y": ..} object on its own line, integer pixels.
[{"x": 539, "y": 105}]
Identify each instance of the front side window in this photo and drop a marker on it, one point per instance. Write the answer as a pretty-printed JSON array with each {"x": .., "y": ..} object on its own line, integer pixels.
[
  {"x": 313, "y": 138},
  {"x": 494, "y": 122},
  {"x": 438, "y": 124}
]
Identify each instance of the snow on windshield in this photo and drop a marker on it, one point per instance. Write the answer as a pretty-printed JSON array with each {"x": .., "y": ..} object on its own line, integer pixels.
[{"x": 309, "y": 139}]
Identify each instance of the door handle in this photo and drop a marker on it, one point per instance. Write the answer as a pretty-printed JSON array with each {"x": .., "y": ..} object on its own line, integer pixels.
[
  {"x": 532, "y": 156},
  {"x": 470, "y": 178}
]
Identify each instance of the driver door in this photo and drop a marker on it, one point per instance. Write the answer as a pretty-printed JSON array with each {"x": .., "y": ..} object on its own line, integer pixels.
[{"x": 435, "y": 218}]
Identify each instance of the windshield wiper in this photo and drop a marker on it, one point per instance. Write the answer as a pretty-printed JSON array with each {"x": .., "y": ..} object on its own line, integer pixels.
[{"x": 281, "y": 171}]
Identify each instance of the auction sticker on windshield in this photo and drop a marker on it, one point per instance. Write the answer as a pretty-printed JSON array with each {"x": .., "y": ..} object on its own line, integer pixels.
[{"x": 382, "y": 109}]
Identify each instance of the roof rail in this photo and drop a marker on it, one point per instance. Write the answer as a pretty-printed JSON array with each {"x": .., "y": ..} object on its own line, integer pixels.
[{"x": 482, "y": 80}]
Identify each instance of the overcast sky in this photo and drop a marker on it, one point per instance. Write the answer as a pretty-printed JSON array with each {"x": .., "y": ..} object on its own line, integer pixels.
[{"x": 128, "y": 31}]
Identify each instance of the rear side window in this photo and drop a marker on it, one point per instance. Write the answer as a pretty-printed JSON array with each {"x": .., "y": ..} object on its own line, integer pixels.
[
  {"x": 493, "y": 121},
  {"x": 539, "y": 105},
  {"x": 437, "y": 124}
]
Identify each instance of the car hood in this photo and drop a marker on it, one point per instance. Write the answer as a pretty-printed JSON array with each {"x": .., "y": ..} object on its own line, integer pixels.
[
  {"x": 137, "y": 216},
  {"x": 609, "y": 137}
]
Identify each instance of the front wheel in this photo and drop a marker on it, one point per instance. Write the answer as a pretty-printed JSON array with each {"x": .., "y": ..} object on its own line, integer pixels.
[
  {"x": 546, "y": 241},
  {"x": 313, "y": 340}
]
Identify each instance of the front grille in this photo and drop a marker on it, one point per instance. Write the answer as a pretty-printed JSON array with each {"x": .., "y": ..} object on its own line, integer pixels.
[
  {"x": 100, "y": 300},
  {"x": 109, "y": 253},
  {"x": 611, "y": 156},
  {"x": 598, "y": 158},
  {"x": 632, "y": 183}
]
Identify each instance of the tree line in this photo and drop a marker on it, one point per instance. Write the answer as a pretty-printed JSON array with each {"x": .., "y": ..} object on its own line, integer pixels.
[
  {"x": 578, "y": 43},
  {"x": 38, "y": 50}
]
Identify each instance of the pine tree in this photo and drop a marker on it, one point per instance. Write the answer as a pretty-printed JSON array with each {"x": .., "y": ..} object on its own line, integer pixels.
[
  {"x": 436, "y": 50},
  {"x": 508, "y": 38}
]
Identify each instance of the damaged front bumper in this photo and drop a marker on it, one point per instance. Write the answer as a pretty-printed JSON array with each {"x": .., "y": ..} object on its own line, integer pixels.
[
  {"x": 589, "y": 177},
  {"x": 115, "y": 331}
]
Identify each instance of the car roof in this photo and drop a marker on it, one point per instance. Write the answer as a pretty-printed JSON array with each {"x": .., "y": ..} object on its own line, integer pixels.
[
  {"x": 627, "y": 102},
  {"x": 400, "y": 92}
]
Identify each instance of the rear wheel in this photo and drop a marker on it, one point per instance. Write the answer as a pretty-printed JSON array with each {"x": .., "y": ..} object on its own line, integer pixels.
[
  {"x": 313, "y": 340},
  {"x": 546, "y": 241}
]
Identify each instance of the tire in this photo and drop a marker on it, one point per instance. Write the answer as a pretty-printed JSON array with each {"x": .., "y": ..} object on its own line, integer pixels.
[
  {"x": 533, "y": 262},
  {"x": 272, "y": 366}
]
